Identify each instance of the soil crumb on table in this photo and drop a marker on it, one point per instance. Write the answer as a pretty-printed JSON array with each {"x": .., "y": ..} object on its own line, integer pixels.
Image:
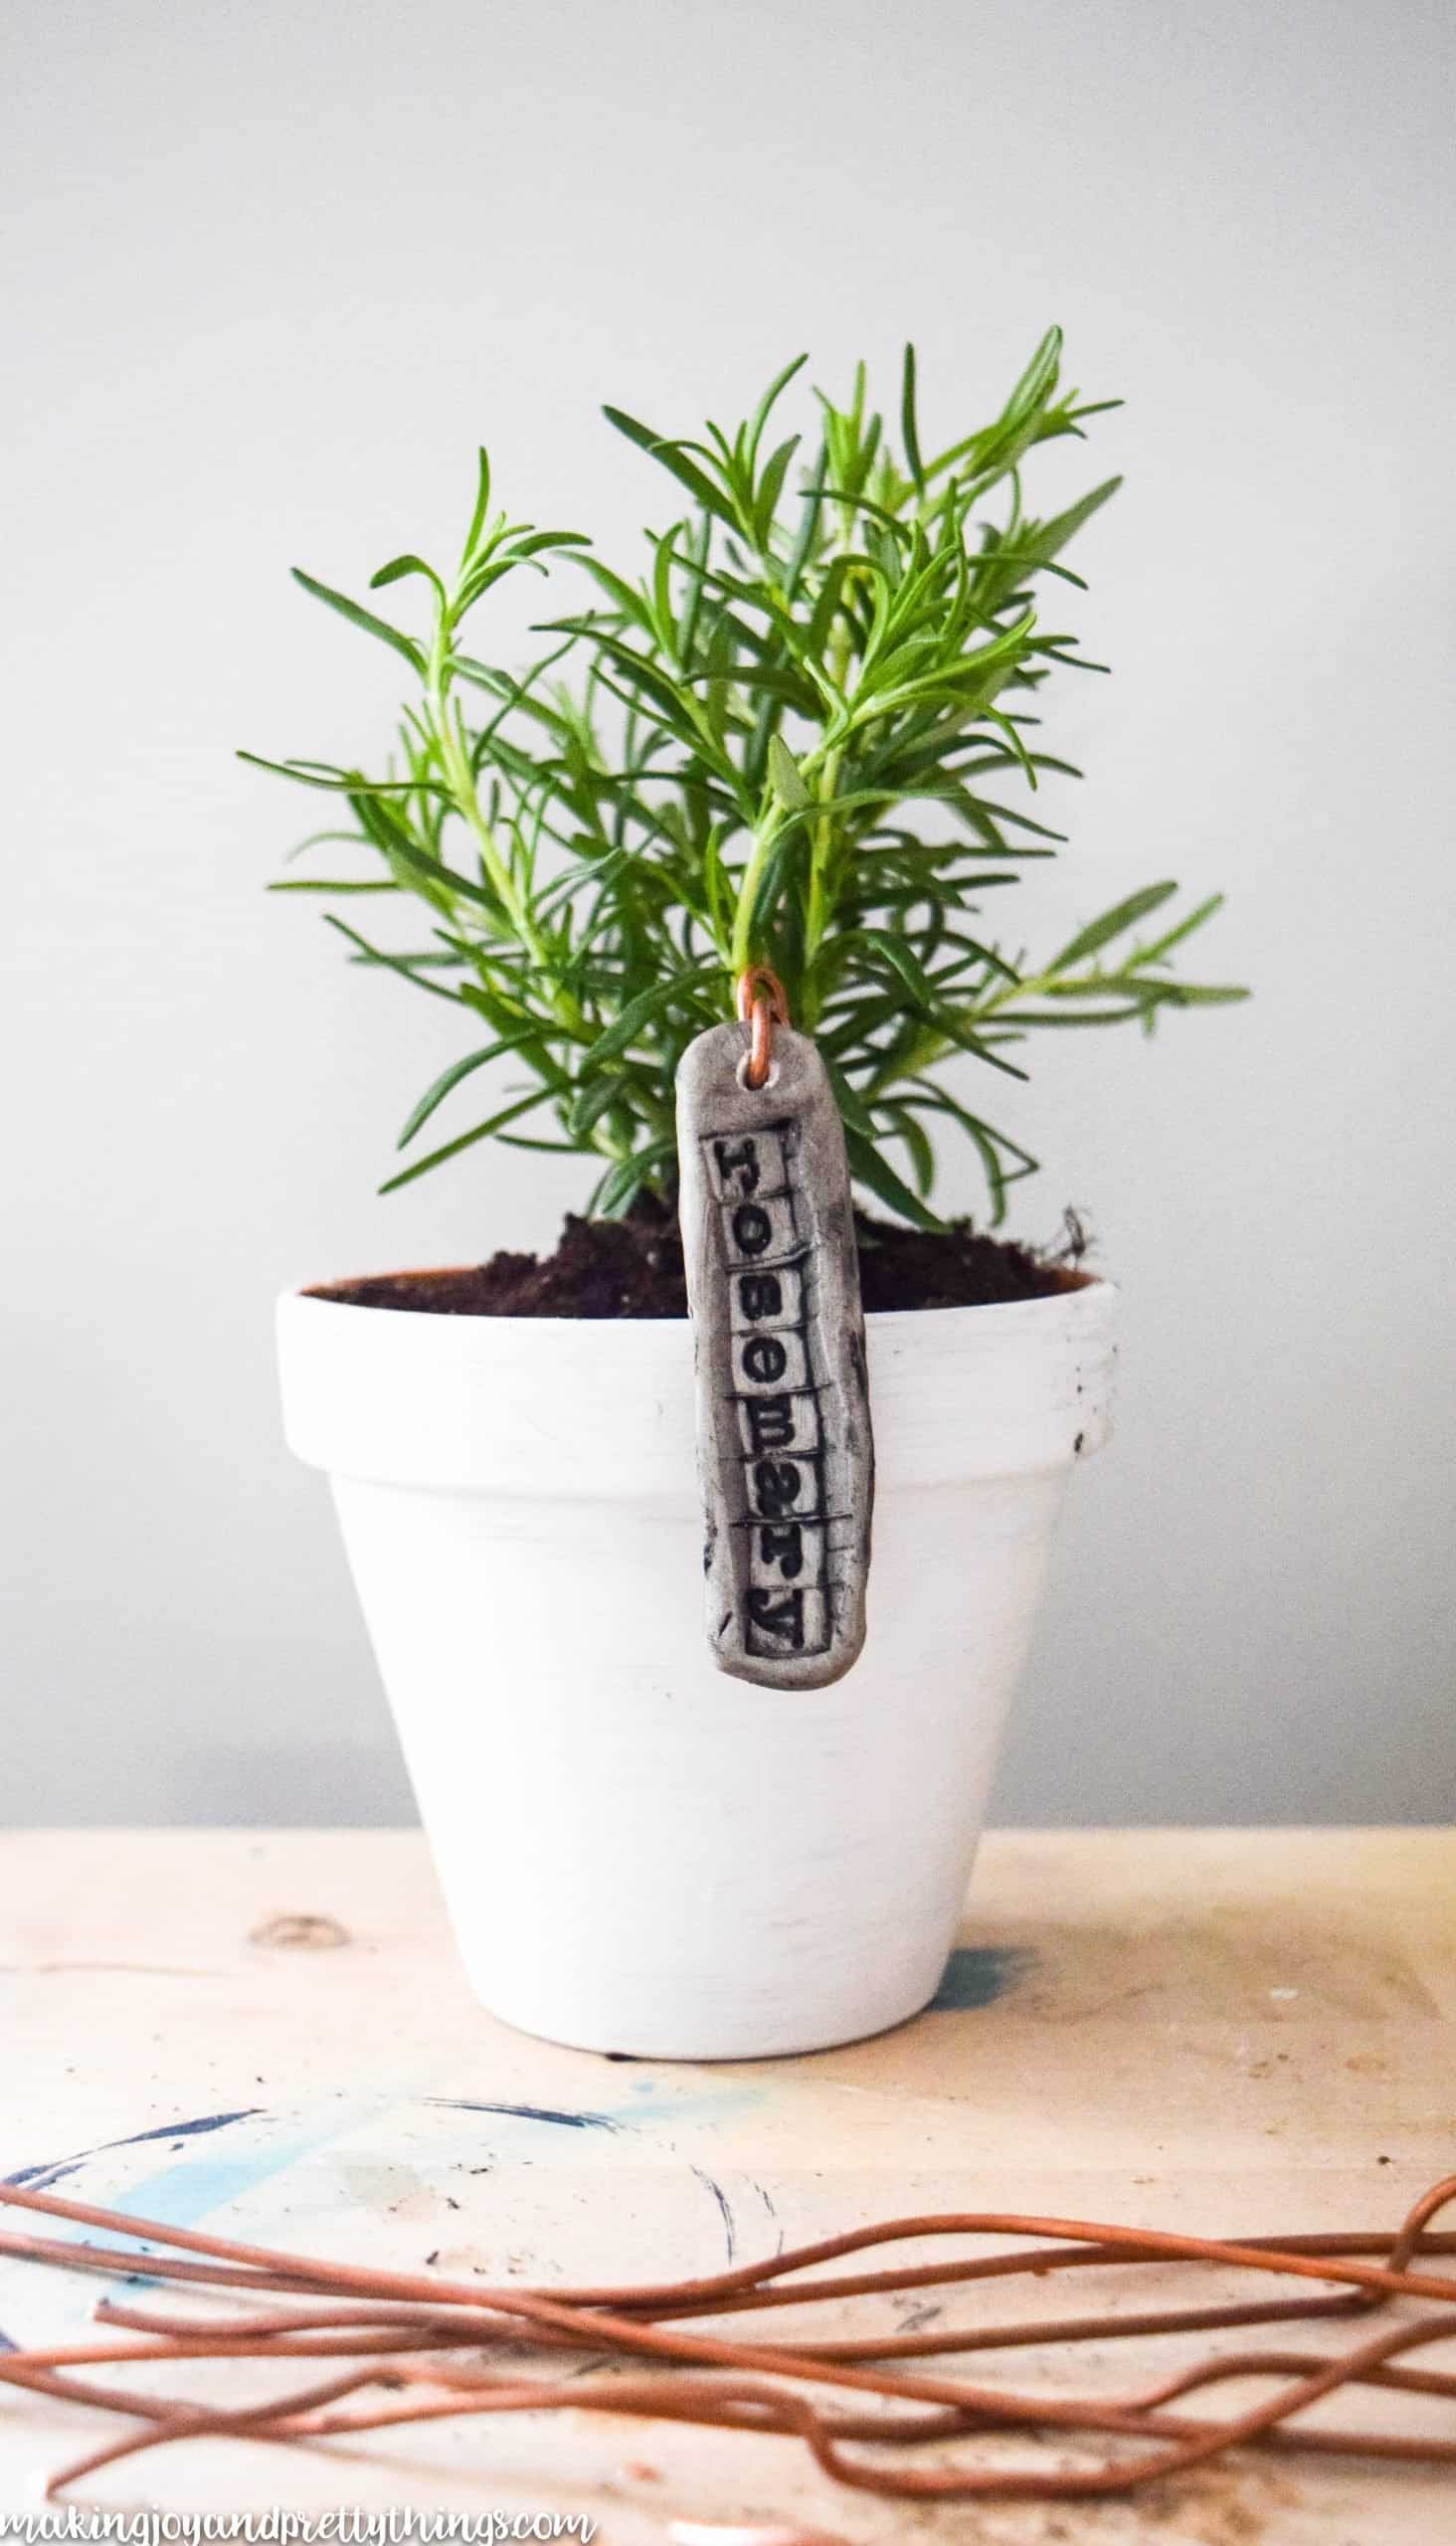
[{"x": 632, "y": 1267}]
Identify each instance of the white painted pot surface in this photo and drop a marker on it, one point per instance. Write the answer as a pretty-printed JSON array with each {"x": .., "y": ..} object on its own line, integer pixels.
[{"x": 637, "y": 1853}]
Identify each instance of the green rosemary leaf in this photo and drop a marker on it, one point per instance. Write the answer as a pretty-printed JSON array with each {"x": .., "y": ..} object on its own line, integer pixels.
[
  {"x": 787, "y": 785},
  {"x": 670, "y": 456},
  {"x": 643, "y": 1011},
  {"x": 451, "y": 1078},
  {"x": 467, "y": 1140},
  {"x": 392, "y": 962},
  {"x": 1123, "y": 914},
  {"x": 395, "y": 571},
  {"x": 909, "y": 429},
  {"x": 868, "y": 1166},
  {"x": 334, "y": 884},
  {"x": 358, "y": 617},
  {"x": 482, "y": 506}
]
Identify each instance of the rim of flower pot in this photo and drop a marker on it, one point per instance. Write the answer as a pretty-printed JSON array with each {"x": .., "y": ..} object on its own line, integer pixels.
[
  {"x": 603, "y": 1408},
  {"x": 1072, "y": 1283}
]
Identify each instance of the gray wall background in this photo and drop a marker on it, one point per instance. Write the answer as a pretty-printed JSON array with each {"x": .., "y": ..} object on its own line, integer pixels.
[{"x": 276, "y": 270}]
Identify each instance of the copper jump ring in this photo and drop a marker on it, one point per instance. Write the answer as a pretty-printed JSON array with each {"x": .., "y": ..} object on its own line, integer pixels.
[{"x": 760, "y": 1005}]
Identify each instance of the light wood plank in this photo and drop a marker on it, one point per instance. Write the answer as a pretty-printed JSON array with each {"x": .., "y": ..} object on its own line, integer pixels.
[{"x": 1220, "y": 2030}]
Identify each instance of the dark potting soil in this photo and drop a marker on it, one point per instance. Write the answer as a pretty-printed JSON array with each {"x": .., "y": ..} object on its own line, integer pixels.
[{"x": 632, "y": 1267}]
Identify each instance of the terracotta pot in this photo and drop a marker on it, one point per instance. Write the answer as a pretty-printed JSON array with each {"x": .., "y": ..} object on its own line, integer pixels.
[{"x": 637, "y": 1853}]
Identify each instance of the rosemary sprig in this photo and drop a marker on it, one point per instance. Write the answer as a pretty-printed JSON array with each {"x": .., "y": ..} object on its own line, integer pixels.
[{"x": 803, "y": 734}]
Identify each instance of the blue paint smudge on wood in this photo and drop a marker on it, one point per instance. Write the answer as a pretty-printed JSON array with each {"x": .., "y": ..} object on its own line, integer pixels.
[
  {"x": 186, "y": 2193},
  {"x": 663, "y": 2100},
  {"x": 724, "y": 2209},
  {"x": 40, "y": 2178},
  {"x": 529, "y": 2112},
  {"x": 977, "y": 1975},
  {"x": 767, "y": 2198},
  {"x": 189, "y": 2130},
  {"x": 181, "y": 2194}
]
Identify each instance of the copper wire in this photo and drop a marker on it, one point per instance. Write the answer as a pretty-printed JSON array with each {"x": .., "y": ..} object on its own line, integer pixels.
[
  {"x": 710, "y": 2379},
  {"x": 761, "y": 1003}
]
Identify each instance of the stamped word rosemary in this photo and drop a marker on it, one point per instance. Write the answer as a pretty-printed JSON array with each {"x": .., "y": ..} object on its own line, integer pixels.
[{"x": 785, "y": 1448}]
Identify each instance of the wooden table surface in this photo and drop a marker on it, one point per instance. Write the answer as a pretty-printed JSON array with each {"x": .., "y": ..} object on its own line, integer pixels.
[{"x": 1221, "y": 2031}]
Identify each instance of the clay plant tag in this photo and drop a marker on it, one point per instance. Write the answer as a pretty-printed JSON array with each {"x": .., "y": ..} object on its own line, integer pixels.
[{"x": 785, "y": 1454}]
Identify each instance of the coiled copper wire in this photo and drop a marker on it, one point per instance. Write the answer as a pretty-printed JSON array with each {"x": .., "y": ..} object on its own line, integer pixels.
[
  {"x": 400, "y": 2330},
  {"x": 761, "y": 1003}
]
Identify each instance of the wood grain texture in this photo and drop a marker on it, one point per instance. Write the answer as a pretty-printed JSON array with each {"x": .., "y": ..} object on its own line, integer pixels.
[{"x": 1214, "y": 2029}]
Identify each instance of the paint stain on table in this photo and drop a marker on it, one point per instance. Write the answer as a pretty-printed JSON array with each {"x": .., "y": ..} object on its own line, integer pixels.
[
  {"x": 40, "y": 2178},
  {"x": 530, "y": 2113},
  {"x": 977, "y": 1975}
]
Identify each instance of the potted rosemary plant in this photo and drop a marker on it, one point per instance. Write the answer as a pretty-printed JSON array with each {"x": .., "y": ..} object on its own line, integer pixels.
[{"x": 793, "y": 759}]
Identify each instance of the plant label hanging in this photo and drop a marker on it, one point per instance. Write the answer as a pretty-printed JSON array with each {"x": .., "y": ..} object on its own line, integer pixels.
[{"x": 786, "y": 1453}]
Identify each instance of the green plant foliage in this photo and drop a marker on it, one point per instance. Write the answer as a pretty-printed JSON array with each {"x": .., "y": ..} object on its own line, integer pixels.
[{"x": 803, "y": 736}]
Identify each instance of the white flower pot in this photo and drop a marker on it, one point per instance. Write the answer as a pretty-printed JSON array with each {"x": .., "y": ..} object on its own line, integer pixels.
[{"x": 637, "y": 1853}]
